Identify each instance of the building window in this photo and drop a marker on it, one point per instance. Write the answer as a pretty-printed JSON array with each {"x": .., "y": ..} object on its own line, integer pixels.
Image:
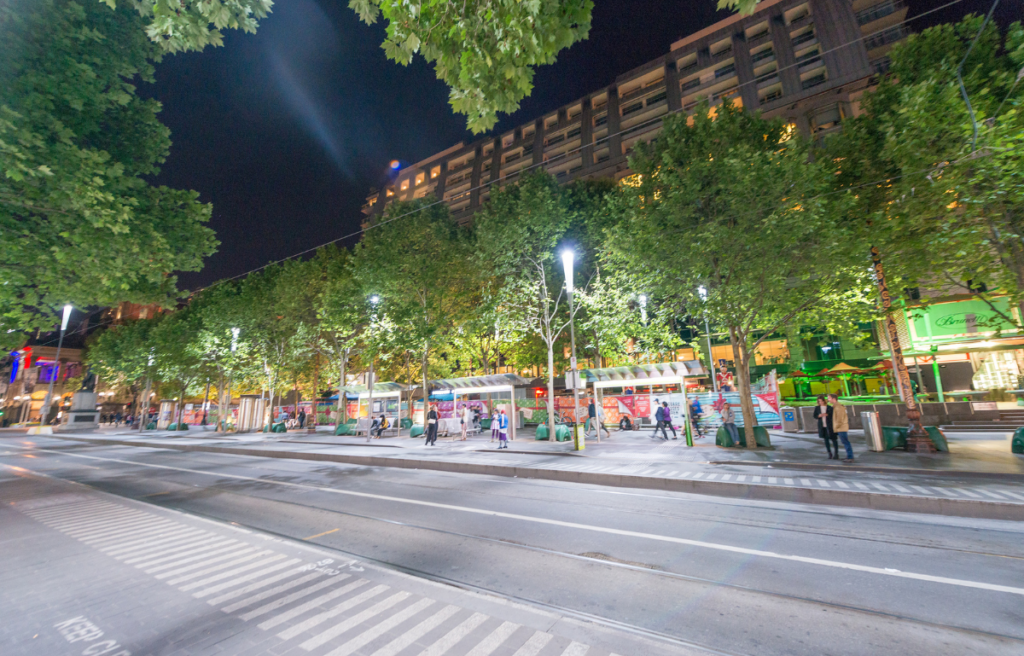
[
  {"x": 405, "y": 184},
  {"x": 420, "y": 177},
  {"x": 434, "y": 172}
]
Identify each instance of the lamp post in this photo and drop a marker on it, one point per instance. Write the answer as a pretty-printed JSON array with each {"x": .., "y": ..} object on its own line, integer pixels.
[
  {"x": 374, "y": 300},
  {"x": 703, "y": 291},
  {"x": 568, "y": 258},
  {"x": 56, "y": 371}
]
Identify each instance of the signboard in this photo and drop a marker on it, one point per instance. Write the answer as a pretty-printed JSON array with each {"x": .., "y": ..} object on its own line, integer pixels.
[{"x": 960, "y": 321}]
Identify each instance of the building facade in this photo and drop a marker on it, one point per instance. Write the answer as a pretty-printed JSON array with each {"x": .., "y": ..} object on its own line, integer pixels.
[{"x": 807, "y": 61}]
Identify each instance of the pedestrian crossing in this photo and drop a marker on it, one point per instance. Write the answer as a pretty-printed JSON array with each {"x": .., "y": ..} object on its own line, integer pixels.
[
  {"x": 308, "y": 607},
  {"x": 664, "y": 470}
]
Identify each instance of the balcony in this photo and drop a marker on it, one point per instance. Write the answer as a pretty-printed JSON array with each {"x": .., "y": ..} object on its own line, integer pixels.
[
  {"x": 767, "y": 80},
  {"x": 772, "y": 96},
  {"x": 691, "y": 84},
  {"x": 633, "y": 108},
  {"x": 881, "y": 10},
  {"x": 813, "y": 81},
  {"x": 761, "y": 56},
  {"x": 725, "y": 70},
  {"x": 890, "y": 35},
  {"x": 806, "y": 37}
]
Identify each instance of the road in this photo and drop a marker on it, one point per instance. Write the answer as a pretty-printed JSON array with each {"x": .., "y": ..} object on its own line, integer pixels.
[{"x": 582, "y": 569}]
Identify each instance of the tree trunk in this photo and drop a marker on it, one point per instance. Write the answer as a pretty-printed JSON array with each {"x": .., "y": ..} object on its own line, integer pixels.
[
  {"x": 181, "y": 405},
  {"x": 342, "y": 403},
  {"x": 426, "y": 352},
  {"x": 221, "y": 424},
  {"x": 741, "y": 357},
  {"x": 551, "y": 392}
]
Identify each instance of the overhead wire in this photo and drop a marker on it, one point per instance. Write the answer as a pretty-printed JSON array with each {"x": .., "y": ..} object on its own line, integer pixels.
[{"x": 574, "y": 151}]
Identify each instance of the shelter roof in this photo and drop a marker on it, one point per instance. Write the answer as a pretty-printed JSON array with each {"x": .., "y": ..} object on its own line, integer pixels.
[
  {"x": 469, "y": 382},
  {"x": 637, "y": 373},
  {"x": 843, "y": 368},
  {"x": 377, "y": 387}
]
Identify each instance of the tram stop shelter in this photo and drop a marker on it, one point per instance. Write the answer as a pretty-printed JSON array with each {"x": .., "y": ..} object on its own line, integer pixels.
[
  {"x": 381, "y": 391},
  {"x": 492, "y": 384},
  {"x": 648, "y": 375}
]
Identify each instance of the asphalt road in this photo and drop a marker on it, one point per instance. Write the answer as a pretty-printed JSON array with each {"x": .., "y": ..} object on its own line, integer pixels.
[{"x": 685, "y": 571}]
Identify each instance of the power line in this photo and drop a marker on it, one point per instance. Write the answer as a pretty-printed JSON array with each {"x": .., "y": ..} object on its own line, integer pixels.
[{"x": 579, "y": 149}]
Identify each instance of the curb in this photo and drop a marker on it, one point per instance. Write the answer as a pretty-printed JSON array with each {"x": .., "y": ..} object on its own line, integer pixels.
[
  {"x": 873, "y": 469},
  {"x": 849, "y": 499}
]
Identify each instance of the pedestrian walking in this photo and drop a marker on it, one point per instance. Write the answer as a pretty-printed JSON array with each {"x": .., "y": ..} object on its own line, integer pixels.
[
  {"x": 659, "y": 418},
  {"x": 494, "y": 424},
  {"x": 502, "y": 430},
  {"x": 729, "y": 421},
  {"x": 666, "y": 416},
  {"x": 823, "y": 416},
  {"x": 431, "y": 427},
  {"x": 117, "y": 419},
  {"x": 467, "y": 418},
  {"x": 695, "y": 412},
  {"x": 302, "y": 418},
  {"x": 841, "y": 425},
  {"x": 597, "y": 420}
]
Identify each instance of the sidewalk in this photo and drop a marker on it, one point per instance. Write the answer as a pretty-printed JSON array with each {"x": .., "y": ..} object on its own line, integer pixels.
[{"x": 978, "y": 478}]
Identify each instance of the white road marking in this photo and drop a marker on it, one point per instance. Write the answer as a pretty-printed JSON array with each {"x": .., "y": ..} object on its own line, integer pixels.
[
  {"x": 967, "y": 493},
  {"x": 712, "y": 477},
  {"x": 788, "y": 481},
  {"x": 991, "y": 494},
  {"x": 245, "y": 579},
  {"x": 499, "y": 635},
  {"x": 452, "y": 638},
  {"x": 879, "y": 486},
  {"x": 822, "y": 483},
  {"x": 1012, "y": 494},
  {"x": 945, "y": 491},
  {"x": 805, "y": 482},
  {"x": 380, "y": 629},
  {"x": 319, "y": 618},
  {"x": 120, "y": 540},
  {"x": 537, "y": 641},
  {"x": 204, "y": 552},
  {"x": 248, "y": 601},
  {"x": 418, "y": 631},
  {"x": 726, "y": 477},
  {"x": 773, "y": 480},
  {"x": 699, "y": 475},
  {"x": 160, "y": 555},
  {"x": 274, "y": 605},
  {"x": 146, "y": 550},
  {"x": 686, "y": 474},
  {"x": 899, "y": 488},
  {"x": 238, "y": 570},
  {"x": 922, "y": 490},
  {"x": 354, "y": 621},
  {"x": 842, "y": 485},
  {"x": 881, "y": 571},
  {"x": 576, "y": 649},
  {"x": 740, "y": 479},
  {"x": 861, "y": 485},
  {"x": 228, "y": 560}
]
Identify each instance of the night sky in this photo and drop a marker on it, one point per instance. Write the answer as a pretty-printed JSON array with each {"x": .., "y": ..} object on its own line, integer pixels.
[{"x": 285, "y": 131}]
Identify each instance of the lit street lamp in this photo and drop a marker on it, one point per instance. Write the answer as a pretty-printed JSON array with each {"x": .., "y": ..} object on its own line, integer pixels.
[
  {"x": 374, "y": 300},
  {"x": 56, "y": 370},
  {"x": 567, "y": 261},
  {"x": 702, "y": 290}
]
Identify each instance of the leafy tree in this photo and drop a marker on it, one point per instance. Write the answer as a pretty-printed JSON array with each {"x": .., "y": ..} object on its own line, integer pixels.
[
  {"x": 178, "y": 362},
  {"x": 484, "y": 50},
  {"x": 720, "y": 203},
  {"x": 945, "y": 205},
  {"x": 519, "y": 233},
  {"x": 419, "y": 269},
  {"x": 341, "y": 313},
  {"x": 124, "y": 354},
  {"x": 79, "y": 221}
]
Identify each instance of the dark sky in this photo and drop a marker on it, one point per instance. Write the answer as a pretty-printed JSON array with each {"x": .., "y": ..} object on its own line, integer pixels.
[{"x": 286, "y": 130}]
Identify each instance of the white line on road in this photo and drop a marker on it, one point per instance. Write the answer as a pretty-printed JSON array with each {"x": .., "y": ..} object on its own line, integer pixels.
[
  {"x": 487, "y": 646},
  {"x": 533, "y": 646},
  {"x": 380, "y": 629},
  {"x": 881, "y": 571},
  {"x": 451, "y": 638},
  {"x": 348, "y": 604},
  {"x": 277, "y": 603},
  {"x": 354, "y": 621},
  {"x": 248, "y": 601},
  {"x": 422, "y": 629}
]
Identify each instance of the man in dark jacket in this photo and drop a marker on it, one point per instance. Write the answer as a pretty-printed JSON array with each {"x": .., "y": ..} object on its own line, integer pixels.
[
  {"x": 302, "y": 418},
  {"x": 431, "y": 427},
  {"x": 659, "y": 417}
]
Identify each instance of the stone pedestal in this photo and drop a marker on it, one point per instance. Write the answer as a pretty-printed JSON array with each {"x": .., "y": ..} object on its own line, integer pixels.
[{"x": 83, "y": 414}]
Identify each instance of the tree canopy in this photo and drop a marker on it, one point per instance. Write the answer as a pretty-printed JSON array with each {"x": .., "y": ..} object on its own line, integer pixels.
[{"x": 79, "y": 220}]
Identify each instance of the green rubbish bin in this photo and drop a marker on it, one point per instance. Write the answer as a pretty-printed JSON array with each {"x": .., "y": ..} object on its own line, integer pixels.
[
  {"x": 542, "y": 432},
  {"x": 895, "y": 437},
  {"x": 279, "y": 427},
  {"x": 486, "y": 424},
  {"x": 416, "y": 430},
  {"x": 1017, "y": 443},
  {"x": 563, "y": 433},
  {"x": 348, "y": 428},
  {"x": 151, "y": 425},
  {"x": 761, "y": 437},
  {"x": 405, "y": 422}
]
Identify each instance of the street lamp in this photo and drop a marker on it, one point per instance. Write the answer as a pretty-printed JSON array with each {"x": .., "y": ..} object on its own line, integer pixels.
[
  {"x": 53, "y": 374},
  {"x": 234, "y": 339},
  {"x": 374, "y": 300},
  {"x": 568, "y": 257},
  {"x": 703, "y": 292}
]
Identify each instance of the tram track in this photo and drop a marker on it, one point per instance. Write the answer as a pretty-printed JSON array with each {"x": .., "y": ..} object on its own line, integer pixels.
[{"x": 179, "y": 503}]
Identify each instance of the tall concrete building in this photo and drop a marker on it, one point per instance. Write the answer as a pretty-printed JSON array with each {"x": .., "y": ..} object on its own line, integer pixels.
[{"x": 807, "y": 61}]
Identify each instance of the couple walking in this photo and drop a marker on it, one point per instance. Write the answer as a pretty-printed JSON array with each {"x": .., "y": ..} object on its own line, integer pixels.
[
  {"x": 833, "y": 423},
  {"x": 664, "y": 418}
]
